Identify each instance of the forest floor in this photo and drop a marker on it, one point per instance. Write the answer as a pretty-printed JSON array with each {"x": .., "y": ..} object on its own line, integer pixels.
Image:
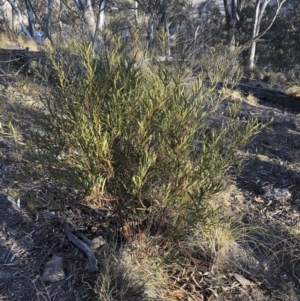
[{"x": 266, "y": 195}]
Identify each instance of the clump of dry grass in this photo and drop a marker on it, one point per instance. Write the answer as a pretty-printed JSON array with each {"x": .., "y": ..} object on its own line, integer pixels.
[
  {"x": 233, "y": 94},
  {"x": 10, "y": 40},
  {"x": 128, "y": 274},
  {"x": 294, "y": 91},
  {"x": 236, "y": 95},
  {"x": 252, "y": 99},
  {"x": 149, "y": 273},
  {"x": 194, "y": 269}
]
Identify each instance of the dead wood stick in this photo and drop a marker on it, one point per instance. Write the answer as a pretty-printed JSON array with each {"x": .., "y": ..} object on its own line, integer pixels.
[
  {"x": 272, "y": 96},
  {"x": 83, "y": 247}
]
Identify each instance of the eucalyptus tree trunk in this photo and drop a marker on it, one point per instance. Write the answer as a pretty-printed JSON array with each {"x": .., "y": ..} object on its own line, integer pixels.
[
  {"x": 30, "y": 32},
  {"x": 259, "y": 11},
  {"x": 94, "y": 25},
  {"x": 136, "y": 5},
  {"x": 101, "y": 15},
  {"x": 168, "y": 43},
  {"x": 97, "y": 39},
  {"x": 6, "y": 12},
  {"x": 14, "y": 21},
  {"x": 260, "y": 8},
  {"x": 20, "y": 19},
  {"x": 231, "y": 18},
  {"x": 150, "y": 31},
  {"x": 31, "y": 19},
  {"x": 48, "y": 17},
  {"x": 85, "y": 6}
]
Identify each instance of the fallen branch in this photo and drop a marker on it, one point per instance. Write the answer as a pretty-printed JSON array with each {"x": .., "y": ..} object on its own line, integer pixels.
[
  {"x": 272, "y": 96},
  {"x": 83, "y": 247}
]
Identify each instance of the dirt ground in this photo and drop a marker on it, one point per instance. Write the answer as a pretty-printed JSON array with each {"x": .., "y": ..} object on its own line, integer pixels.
[{"x": 265, "y": 194}]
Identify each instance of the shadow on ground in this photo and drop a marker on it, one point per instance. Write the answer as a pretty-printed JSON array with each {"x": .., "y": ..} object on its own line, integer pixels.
[
  {"x": 272, "y": 161},
  {"x": 26, "y": 245}
]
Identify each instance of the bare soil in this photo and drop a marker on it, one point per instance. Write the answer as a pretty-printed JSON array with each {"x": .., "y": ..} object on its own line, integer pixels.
[{"x": 30, "y": 214}]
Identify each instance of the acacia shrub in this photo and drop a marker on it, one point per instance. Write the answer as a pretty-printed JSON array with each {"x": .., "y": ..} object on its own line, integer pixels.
[{"x": 140, "y": 138}]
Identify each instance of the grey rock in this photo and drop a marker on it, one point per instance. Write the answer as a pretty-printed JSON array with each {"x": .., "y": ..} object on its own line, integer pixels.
[
  {"x": 53, "y": 271},
  {"x": 97, "y": 242}
]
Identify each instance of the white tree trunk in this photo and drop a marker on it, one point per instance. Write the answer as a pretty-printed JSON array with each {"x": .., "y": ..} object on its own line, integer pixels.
[
  {"x": 136, "y": 11},
  {"x": 231, "y": 20},
  {"x": 31, "y": 19},
  {"x": 256, "y": 27},
  {"x": 150, "y": 32},
  {"x": 252, "y": 55},
  {"x": 49, "y": 17},
  {"x": 260, "y": 8},
  {"x": 20, "y": 19},
  {"x": 101, "y": 17},
  {"x": 88, "y": 14},
  {"x": 168, "y": 43},
  {"x": 85, "y": 6},
  {"x": 6, "y": 12},
  {"x": 14, "y": 21}
]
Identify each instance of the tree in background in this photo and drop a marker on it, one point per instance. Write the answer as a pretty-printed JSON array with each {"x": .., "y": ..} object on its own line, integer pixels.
[
  {"x": 260, "y": 8},
  {"x": 281, "y": 50},
  {"x": 258, "y": 25},
  {"x": 234, "y": 12},
  {"x": 94, "y": 18},
  {"x": 163, "y": 15},
  {"x": 30, "y": 30}
]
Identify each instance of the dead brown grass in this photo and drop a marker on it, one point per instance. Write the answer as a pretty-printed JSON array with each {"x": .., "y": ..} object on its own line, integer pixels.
[
  {"x": 294, "y": 91},
  {"x": 252, "y": 99},
  {"x": 130, "y": 273},
  {"x": 13, "y": 41}
]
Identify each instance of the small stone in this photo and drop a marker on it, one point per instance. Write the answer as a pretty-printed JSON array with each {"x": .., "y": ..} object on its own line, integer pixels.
[
  {"x": 54, "y": 270},
  {"x": 48, "y": 214},
  {"x": 97, "y": 242}
]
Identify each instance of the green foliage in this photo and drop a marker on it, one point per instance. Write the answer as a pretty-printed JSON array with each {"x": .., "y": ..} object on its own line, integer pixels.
[
  {"x": 210, "y": 24},
  {"x": 145, "y": 140}
]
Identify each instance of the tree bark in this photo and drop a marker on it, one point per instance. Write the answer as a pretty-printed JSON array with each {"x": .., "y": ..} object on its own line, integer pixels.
[
  {"x": 88, "y": 14},
  {"x": 31, "y": 19},
  {"x": 85, "y": 6},
  {"x": 97, "y": 41},
  {"x": 101, "y": 18},
  {"x": 136, "y": 11},
  {"x": 49, "y": 17},
  {"x": 20, "y": 17},
  {"x": 259, "y": 12},
  {"x": 231, "y": 18},
  {"x": 14, "y": 21}
]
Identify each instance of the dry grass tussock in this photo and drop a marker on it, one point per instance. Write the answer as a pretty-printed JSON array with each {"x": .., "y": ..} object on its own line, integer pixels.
[
  {"x": 232, "y": 94},
  {"x": 252, "y": 99},
  {"x": 12, "y": 40},
  {"x": 294, "y": 91},
  {"x": 208, "y": 264},
  {"x": 129, "y": 274},
  {"x": 237, "y": 96}
]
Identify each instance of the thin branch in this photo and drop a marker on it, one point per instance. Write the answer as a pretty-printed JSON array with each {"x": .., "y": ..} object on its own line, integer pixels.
[{"x": 83, "y": 247}]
